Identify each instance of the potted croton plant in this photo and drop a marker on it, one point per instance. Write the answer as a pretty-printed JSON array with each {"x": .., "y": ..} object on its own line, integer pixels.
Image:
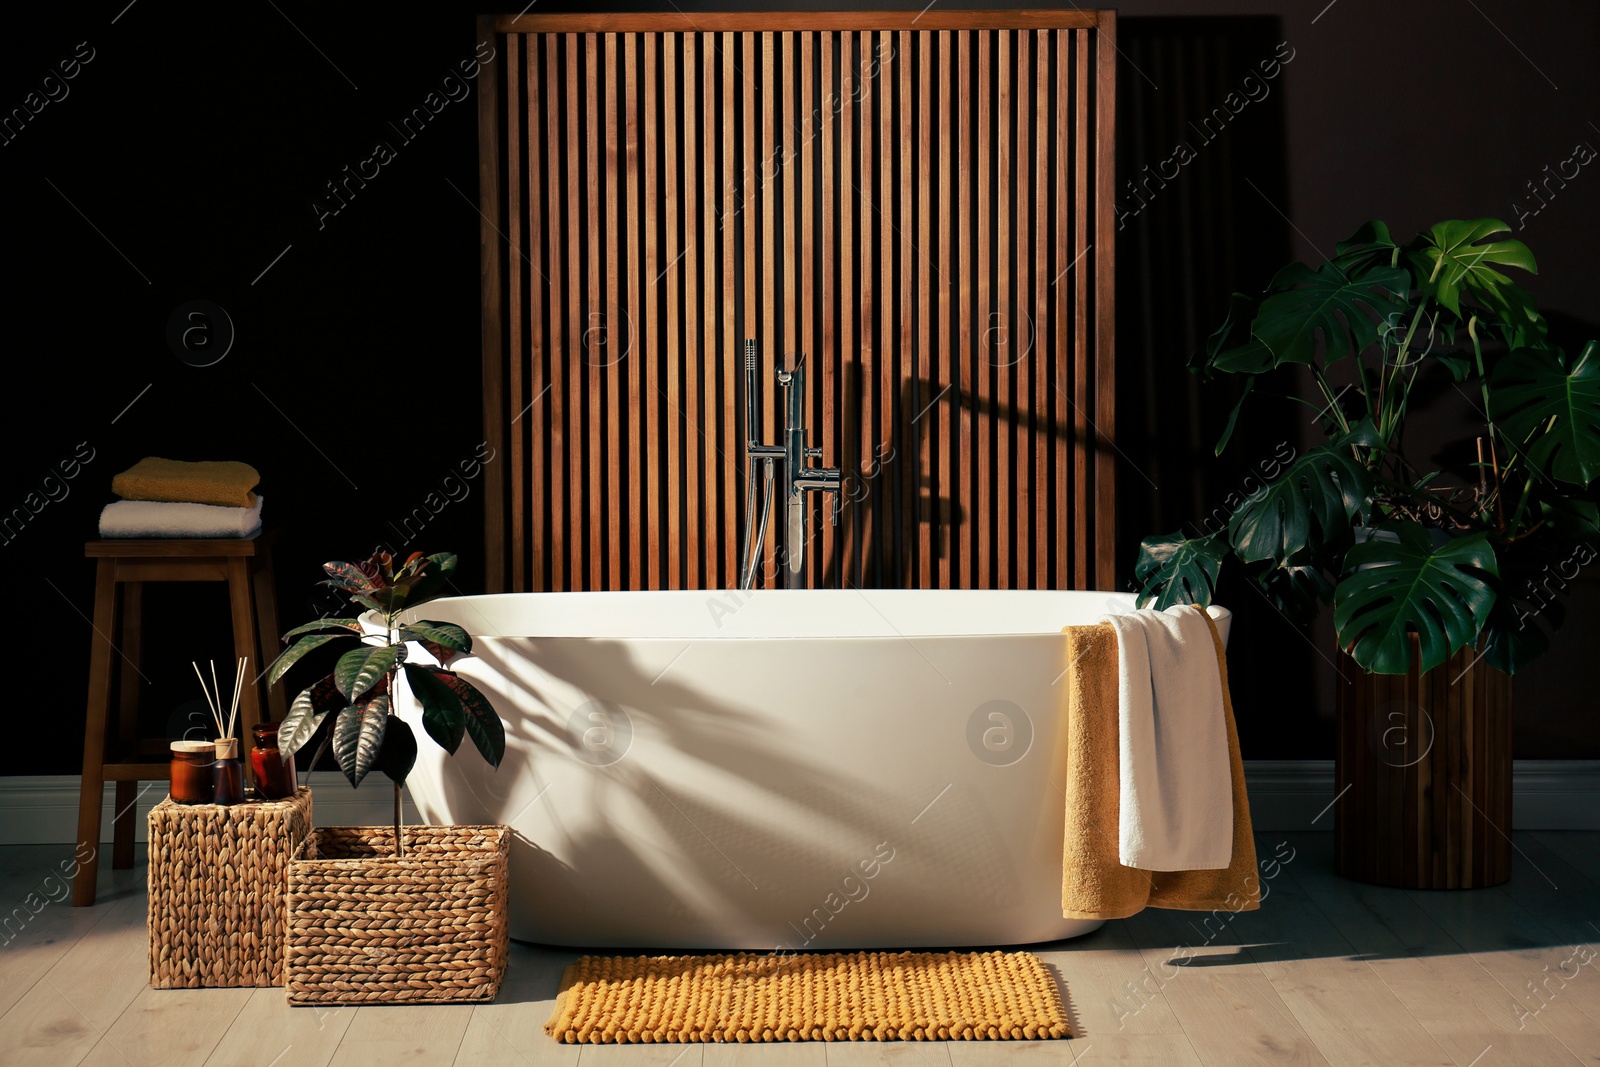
[
  {"x": 401, "y": 914},
  {"x": 1442, "y": 580}
]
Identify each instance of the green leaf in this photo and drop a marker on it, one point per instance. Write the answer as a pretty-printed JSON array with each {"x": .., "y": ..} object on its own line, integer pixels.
[
  {"x": 1178, "y": 570},
  {"x": 433, "y": 579},
  {"x": 483, "y": 725},
  {"x": 1573, "y": 518},
  {"x": 1460, "y": 364},
  {"x": 1449, "y": 260},
  {"x": 1316, "y": 498},
  {"x": 447, "y": 634},
  {"x": 1532, "y": 386},
  {"x": 399, "y": 752},
  {"x": 362, "y": 668},
  {"x": 1370, "y": 244},
  {"x": 295, "y": 653},
  {"x": 1231, "y": 349},
  {"x": 1344, "y": 310},
  {"x": 306, "y": 715},
  {"x": 358, "y": 737},
  {"x": 346, "y": 625},
  {"x": 1391, "y": 589},
  {"x": 442, "y": 714},
  {"x": 1233, "y": 416},
  {"x": 1528, "y": 606},
  {"x": 1295, "y": 589}
]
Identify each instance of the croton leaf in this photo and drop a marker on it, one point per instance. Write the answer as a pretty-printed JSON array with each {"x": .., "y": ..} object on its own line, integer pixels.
[
  {"x": 1345, "y": 310},
  {"x": 1317, "y": 496},
  {"x": 358, "y": 736},
  {"x": 1537, "y": 387},
  {"x": 446, "y": 634},
  {"x": 432, "y": 578},
  {"x": 347, "y": 576},
  {"x": 483, "y": 725},
  {"x": 442, "y": 714},
  {"x": 1178, "y": 570},
  {"x": 362, "y": 668},
  {"x": 295, "y": 653},
  {"x": 306, "y": 715},
  {"x": 1452, "y": 258},
  {"x": 1394, "y": 588},
  {"x": 344, "y": 625},
  {"x": 399, "y": 752}
]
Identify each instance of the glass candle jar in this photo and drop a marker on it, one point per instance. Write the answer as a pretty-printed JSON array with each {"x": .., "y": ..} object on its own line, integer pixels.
[
  {"x": 275, "y": 777},
  {"x": 227, "y": 773},
  {"x": 191, "y": 771}
]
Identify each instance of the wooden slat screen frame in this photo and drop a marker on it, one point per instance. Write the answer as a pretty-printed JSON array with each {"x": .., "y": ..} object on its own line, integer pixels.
[{"x": 625, "y": 211}]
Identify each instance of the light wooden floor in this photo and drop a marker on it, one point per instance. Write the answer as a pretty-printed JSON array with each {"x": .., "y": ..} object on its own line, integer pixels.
[{"x": 1327, "y": 972}]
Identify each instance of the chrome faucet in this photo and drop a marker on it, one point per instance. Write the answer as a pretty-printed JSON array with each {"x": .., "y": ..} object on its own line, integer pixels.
[{"x": 798, "y": 478}]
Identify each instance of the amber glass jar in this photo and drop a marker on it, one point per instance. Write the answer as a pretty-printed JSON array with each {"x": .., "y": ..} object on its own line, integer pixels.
[
  {"x": 227, "y": 773},
  {"x": 191, "y": 771},
  {"x": 275, "y": 777}
]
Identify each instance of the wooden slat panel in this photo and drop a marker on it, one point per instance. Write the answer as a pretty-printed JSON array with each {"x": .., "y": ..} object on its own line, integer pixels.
[
  {"x": 1105, "y": 192},
  {"x": 608, "y": 351},
  {"x": 653, "y": 516},
  {"x": 930, "y": 230},
  {"x": 687, "y": 369},
  {"x": 559, "y": 403},
  {"x": 945, "y": 491},
  {"x": 493, "y": 313},
  {"x": 636, "y": 357},
  {"x": 924, "y": 486},
  {"x": 514, "y": 294},
  {"x": 930, "y": 18},
  {"x": 983, "y": 502},
  {"x": 672, "y": 254}
]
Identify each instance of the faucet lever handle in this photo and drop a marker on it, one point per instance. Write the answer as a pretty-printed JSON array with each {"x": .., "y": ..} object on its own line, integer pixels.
[{"x": 813, "y": 453}]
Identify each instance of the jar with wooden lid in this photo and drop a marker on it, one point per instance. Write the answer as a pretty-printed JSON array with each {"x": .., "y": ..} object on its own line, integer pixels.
[{"x": 191, "y": 771}]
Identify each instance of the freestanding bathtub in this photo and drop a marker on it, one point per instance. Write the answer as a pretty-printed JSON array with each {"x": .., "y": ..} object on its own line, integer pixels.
[{"x": 809, "y": 769}]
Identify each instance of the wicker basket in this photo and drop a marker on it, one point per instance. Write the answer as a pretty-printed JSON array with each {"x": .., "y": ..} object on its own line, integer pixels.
[
  {"x": 217, "y": 875},
  {"x": 365, "y": 927}
]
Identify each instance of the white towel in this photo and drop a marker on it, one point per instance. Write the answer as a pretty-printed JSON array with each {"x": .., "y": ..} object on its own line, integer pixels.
[
  {"x": 1176, "y": 800},
  {"x": 155, "y": 518}
]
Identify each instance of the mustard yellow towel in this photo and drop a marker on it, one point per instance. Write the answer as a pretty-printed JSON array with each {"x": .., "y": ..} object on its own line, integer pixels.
[
  {"x": 224, "y": 483},
  {"x": 1093, "y": 884}
]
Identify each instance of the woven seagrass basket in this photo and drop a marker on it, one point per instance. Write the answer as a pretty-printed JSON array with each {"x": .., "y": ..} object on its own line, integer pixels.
[
  {"x": 217, "y": 875},
  {"x": 366, "y": 927}
]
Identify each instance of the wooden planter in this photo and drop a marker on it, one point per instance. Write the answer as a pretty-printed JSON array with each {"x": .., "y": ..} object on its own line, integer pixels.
[
  {"x": 1424, "y": 769},
  {"x": 366, "y": 927}
]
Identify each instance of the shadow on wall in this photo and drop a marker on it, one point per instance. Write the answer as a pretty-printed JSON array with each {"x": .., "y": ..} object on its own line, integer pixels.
[{"x": 1202, "y": 158}]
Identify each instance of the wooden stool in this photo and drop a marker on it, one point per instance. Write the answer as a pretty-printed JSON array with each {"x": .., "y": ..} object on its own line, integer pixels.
[{"x": 123, "y": 569}]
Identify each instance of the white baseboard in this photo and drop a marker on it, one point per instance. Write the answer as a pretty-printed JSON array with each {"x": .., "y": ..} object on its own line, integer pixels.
[
  {"x": 43, "y": 809},
  {"x": 1546, "y": 794},
  {"x": 1285, "y": 795}
]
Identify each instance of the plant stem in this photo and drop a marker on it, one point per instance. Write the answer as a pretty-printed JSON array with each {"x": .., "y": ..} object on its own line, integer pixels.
[
  {"x": 1333, "y": 400},
  {"x": 399, "y": 842}
]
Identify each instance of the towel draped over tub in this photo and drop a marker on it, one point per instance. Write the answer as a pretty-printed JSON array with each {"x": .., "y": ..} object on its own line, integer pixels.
[{"x": 1094, "y": 884}]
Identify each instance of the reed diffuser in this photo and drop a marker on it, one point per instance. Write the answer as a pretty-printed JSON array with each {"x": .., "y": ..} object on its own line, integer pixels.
[{"x": 227, "y": 772}]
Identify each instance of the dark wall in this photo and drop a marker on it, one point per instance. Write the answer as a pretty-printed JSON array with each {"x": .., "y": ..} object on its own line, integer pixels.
[{"x": 188, "y": 158}]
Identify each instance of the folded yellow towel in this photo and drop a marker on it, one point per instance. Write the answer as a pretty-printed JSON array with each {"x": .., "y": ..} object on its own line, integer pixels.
[
  {"x": 1093, "y": 884},
  {"x": 224, "y": 483}
]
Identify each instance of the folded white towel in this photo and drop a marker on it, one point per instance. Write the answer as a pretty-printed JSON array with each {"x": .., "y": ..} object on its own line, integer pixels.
[
  {"x": 1176, "y": 801},
  {"x": 155, "y": 518}
]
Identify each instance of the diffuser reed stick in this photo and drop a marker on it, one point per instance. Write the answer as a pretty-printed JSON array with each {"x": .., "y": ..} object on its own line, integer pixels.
[{"x": 213, "y": 695}]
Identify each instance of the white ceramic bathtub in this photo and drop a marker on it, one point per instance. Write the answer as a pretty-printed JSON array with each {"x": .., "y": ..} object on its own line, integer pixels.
[{"x": 781, "y": 769}]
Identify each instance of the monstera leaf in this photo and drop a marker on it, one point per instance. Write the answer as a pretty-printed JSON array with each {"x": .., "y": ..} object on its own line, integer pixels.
[
  {"x": 1537, "y": 387},
  {"x": 1449, "y": 260},
  {"x": 1528, "y": 608},
  {"x": 1318, "y": 496},
  {"x": 358, "y": 737},
  {"x": 1392, "y": 589},
  {"x": 1178, "y": 570},
  {"x": 1344, "y": 309},
  {"x": 1368, "y": 245},
  {"x": 1231, "y": 349}
]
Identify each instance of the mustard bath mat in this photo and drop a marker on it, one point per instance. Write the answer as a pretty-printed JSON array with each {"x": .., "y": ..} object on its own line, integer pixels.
[{"x": 855, "y": 996}]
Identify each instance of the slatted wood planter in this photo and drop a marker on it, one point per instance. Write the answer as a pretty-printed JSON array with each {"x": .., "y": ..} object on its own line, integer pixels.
[
  {"x": 919, "y": 204},
  {"x": 1424, "y": 770}
]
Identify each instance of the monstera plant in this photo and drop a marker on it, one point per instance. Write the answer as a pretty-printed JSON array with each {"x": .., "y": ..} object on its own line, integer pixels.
[
  {"x": 1471, "y": 556},
  {"x": 355, "y": 702}
]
